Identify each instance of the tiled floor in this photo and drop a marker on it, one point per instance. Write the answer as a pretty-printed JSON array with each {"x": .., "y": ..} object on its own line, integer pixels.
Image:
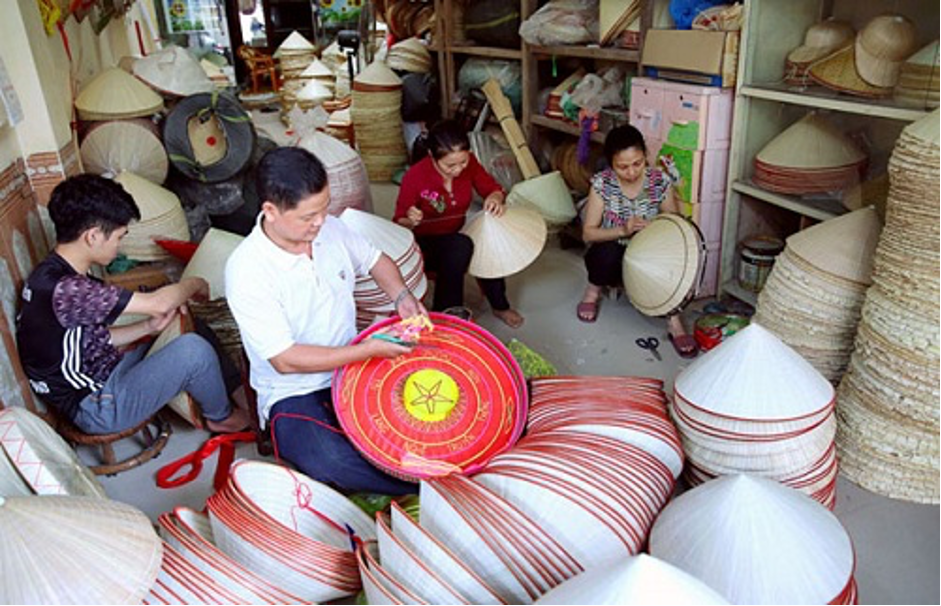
[{"x": 897, "y": 543}]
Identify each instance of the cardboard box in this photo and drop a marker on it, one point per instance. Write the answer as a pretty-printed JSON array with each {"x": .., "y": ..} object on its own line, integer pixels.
[{"x": 693, "y": 56}]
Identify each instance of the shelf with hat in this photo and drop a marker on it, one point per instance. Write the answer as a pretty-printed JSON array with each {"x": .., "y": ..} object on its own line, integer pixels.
[{"x": 825, "y": 88}]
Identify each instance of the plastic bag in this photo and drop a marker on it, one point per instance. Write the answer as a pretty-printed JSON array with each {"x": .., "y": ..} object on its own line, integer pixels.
[
  {"x": 562, "y": 22},
  {"x": 599, "y": 90}
]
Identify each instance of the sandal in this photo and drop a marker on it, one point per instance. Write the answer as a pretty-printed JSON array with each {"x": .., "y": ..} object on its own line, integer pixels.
[
  {"x": 685, "y": 345},
  {"x": 587, "y": 311}
]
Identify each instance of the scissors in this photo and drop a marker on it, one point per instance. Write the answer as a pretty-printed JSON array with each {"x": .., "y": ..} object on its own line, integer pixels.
[{"x": 651, "y": 344}]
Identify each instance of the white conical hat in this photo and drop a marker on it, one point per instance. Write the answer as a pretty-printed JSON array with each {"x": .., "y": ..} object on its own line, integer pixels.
[
  {"x": 391, "y": 238},
  {"x": 173, "y": 70},
  {"x": 662, "y": 265},
  {"x": 161, "y": 216},
  {"x": 44, "y": 460},
  {"x": 505, "y": 245},
  {"x": 112, "y": 147},
  {"x": 925, "y": 130},
  {"x": 753, "y": 375},
  {"x": 812, "y": 142},
  {"x": 317, "y": 69},
  {"x": 641, "y": 579},
  {"x": 314, "y": 91},
  {"x": 12, "y": 483},
  {"x": 75, "y": 550},
  {"x": 208, "y": 262},
  {"x": 378, "y": 74},
  {"x": 843, "y": 246},
  {"x": 549, "y": 194},
  {"x": 113, "y": 94},
  {"x": 293, "y": 43},
  {"x": 755, "y": 541}
]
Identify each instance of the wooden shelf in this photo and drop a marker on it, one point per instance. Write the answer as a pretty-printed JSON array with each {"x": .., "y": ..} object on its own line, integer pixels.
[
  {"x": 492, "y": 52},
  {"x": 563, "y": 127},
  {"x": 733, "y": 288},
  {"x": 587, "y": 52},
  {"x": 822, "y": 98},
  {"x": 821, "y": 209}
]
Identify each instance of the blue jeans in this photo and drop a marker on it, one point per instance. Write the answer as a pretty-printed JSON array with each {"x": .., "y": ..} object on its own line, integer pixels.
[
  {"x": 308, "y": 435},
  {"x": 138, "y": 387}
]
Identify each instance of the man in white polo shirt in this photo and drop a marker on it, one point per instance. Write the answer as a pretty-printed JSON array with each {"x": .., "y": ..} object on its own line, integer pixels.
[{"x": 290, "y": 288}]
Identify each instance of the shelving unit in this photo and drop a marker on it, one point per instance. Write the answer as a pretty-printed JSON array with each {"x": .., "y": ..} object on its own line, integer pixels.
[{"x": 765, "y": 106}]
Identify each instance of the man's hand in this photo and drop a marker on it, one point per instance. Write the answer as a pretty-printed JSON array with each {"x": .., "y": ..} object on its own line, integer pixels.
[
  {"x": 407, "y": 306},
  {"x": 381, "y": 348},
  {"x": 200, "y": 289}
]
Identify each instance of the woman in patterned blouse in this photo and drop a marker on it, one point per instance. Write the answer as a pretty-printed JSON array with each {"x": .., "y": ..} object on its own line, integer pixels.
[{"x": 624, "y": 198}]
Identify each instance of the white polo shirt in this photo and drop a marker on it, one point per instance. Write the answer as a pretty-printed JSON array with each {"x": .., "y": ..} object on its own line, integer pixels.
[{"x": 279, "y": 298}]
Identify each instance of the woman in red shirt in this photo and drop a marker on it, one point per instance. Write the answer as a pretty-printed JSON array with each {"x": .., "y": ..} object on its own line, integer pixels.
[{"x": 433, "y": 201}]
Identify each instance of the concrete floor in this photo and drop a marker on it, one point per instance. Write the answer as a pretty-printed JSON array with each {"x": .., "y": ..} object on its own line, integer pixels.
[{"x": 897, "y": 543}]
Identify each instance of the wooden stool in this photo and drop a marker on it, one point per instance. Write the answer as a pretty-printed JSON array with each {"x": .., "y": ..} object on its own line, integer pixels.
[{"x": 155, "y": 432}]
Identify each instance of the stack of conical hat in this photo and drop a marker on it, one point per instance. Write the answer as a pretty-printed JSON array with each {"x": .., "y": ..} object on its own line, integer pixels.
[
  {"x": 377, "y": 120},
  {"x": 507, "y": 244},
  {"x": 810, "y": 156},
  {"x": 117, "y": 145},
  {"x": 410, "y": 56},
  {"x": 888, "y": 399},
  {"x": 814, "y": 295},
  {"x": 755, "y": 541},
  {"x": 162, "y": 217},
  {"x": 313, "y": 93},
  {"x": 753, "y": 405},
  {"x": 173, "y": 71},
  {"x": 549, "y": 195},
  {"x": 319, "y": 71},
  {"x": 293, "y": 55},
  {"x": 398, "y": 243},
  {"x": 310, "y": 87},
  {"x": 346, "y": 173},
  {"x": 114, "y": 94},
  {"x": 919, "y": 79}
]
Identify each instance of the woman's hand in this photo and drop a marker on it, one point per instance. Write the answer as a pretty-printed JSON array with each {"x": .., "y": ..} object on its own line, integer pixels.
[
  {"x": 415, "y": 215},
  {"x": 634, "y": 225},
  {"x": 156, "y": 324},
  {"x": 493, "y": 204}
]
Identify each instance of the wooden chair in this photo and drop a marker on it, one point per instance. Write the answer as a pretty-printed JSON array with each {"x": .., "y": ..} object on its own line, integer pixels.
[{"x": 260, "y": 65}]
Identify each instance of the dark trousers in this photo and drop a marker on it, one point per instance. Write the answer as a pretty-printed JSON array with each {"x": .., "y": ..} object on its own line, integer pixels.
[
  {"x": 449, "y": 257},
  {"x": 604, "y": 262},
  {"x": 306, "y": 433}
]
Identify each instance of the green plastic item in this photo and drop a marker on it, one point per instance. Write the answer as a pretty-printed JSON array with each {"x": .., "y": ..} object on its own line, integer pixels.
[
  {"x": 532, "y": 363},
  {"x": 370, "y": 502},
  {"x": 121, "y": 264}
]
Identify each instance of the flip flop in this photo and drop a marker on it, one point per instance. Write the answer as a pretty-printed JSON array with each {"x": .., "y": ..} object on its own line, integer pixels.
[
  {"x": 685, "y": 345},
  {"x": 587, "y": 311}
]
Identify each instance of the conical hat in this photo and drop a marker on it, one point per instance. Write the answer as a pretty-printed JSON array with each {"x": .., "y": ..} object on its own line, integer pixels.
[
  {"x": 294, "y": 43},
  {"x": 925, "y": 130},
  {"x": 641, "y": 579},
  {"x": 161, "y": 215},
  {"x": 317, "y": 69},
  {"x": 112, "y": 147},
  {"x": 152, "y": 200},
  {"x": 812, "y": 142},
  {"x": 881, "y": 48},
  {"x": 378, "y": 74},
  {"x": 663, "y": 264},
  {"x": 314, "y": 91},
  {"x": 821, "y": 39},
  {"x": 844, "y": 246},
  {"x": 12, "y": 483},
  {"x": 549, "y": 194},
  {"x": 838, "y": 72},
  {"x": 75, "y": 550},
  {"x": 173, "y": 70},
  {"x": 208, "y": 262},
  {"x": 753, "y": 375},
  {"x": 114, "y": 93},
  {"x": 756, "y": 542},
  {"x": 505, "y": 245},
  {"x": 391, "y": 238}
]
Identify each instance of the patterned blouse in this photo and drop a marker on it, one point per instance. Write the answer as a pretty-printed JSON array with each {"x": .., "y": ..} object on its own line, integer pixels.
[{"x": 618, "y": 207}]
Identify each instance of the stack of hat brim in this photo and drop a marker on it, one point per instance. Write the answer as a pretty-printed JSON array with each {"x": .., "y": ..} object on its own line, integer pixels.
[
  {"x": 181, "y": 581},
  {"x": 506, "y": 244},
  {"x": 346, "y": 174},
  {"x": 173, "y": 71},
  {"x": 132, "y": 145},
  {"x": 260, "y": 520},
  {"x": 813, "y": 297},
  {"x": 407, "y": 19},
  {"x": 377, "y": 120},
  {"x": 810, "y": 156},
  {"x": 549, "y": 195},
  {"x": 410, "y": 56},
  {"x": 888, "y": 400},
  {"x": 75, "y": 550},
  {"x": 162, "y": 217},
  {"x": 919, "y": 79},
  {"x": 190, "y": 534},
  {"x": 115, "y": 94},
  {"x": 755, "y": 541},
  {"x": 753, "y": 405},
  {"x": 340, "y": 126},
  {"x": 398, "y": 243}
]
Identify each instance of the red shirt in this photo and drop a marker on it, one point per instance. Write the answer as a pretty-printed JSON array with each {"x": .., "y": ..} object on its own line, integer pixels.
[{"x": 423, "y": 186}]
